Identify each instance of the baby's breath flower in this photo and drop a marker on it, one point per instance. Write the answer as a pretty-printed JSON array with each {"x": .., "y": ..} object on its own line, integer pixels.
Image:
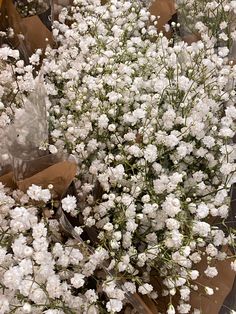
[{"x": 69, "y": 203}]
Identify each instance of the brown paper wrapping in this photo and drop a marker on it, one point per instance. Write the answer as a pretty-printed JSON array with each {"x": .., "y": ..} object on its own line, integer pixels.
[
  {"x": 8, "y": 180},
  {"x": 36, "y": 35},
  {"x": 222, "y": 285},
  {"x": 165, "y": 9},
  {"x": 60, "y": 175}
]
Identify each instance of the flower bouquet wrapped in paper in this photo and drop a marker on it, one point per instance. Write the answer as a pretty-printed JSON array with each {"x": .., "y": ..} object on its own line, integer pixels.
[
  {"x": 150, "y": 123},
  {"x": 153, "y": 123},
  {"x": 25, "y": 143}
]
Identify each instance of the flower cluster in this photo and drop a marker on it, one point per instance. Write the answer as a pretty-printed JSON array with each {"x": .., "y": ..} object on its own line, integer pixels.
[
  {"x": 41, "y": 271},
  {"x": 150, "y": 122},
  {"x": 211, "y": 21},
  {"x": 16, "y": 81}
]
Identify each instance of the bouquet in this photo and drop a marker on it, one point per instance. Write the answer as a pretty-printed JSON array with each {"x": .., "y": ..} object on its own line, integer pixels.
[{"x": 150, "y": 122}]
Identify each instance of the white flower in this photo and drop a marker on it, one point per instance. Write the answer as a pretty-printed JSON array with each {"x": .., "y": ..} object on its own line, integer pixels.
[
  {"x": 39, "y": 230},
  {"x": 77, "y": 280},
  {"x": 233, "y": 265},
  {"x": 22, "y": 219},
  {"x": 171, "y": 206},
  {"x": 116, "y": 174},
  {"x": 139, "y": 113},
  {"x": 172, "y": 224},
  {"x": 209, "y": 141},
  {"x": 52, "y": 149},
  {"x": 174, "y": 239},
  {"x": 185, "y": 293},
  {"x": 184, "y": 308},
  {"x": 3, "y": 252},
  {"x": 131, "y": 226},
  {"x": 129, "y": 286},
  {"x": 150, "y": 153},
  {"x": 211, "y": 272},
  {"x": 194, "y": 274},
  {"x": 103, "y": 121},
  {"x": 202, "y": 211},
  {"x": 202, "y": 228},
  {"x": 7, "y": 52},
  {"x": 211, "y": 250},
  {"x": 142, "y": 257},
  {"x": 34, "y": 192},
  {"x": 184, "y": 83},
  {"x": 12, "y": 278},
  {"x": 4, "y": 304},
  {"x": 114, "y": 305},
  {"x": 92, "y": 309},
  {"x": 209, "y": 291},
  {"x": 27, "y": 308},
  {"x": 108, "y": 226},
  {"x": 145, "y": 288},
  {"x": 223, "y": 25},
  {"x": 45, "y": 195},
  {"x": 38, "y": 194},
  {"x": 75, "y": 256},
  {"x": 111, "y": 127},
  {"x": 34, "y": 59},
  {"x": 135, "y": 151},
  {"x": 171, "y": 309},
  {"x": 113, "y": 97},
  {"x": 91, "y": 296},
  {"x": 78, "y": 230},
  {"x": 69, "y": 203},
  {"x": 223, "y": 51}
]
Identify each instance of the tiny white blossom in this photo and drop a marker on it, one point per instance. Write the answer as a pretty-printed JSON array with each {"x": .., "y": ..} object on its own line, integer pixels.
[
  {"x": 69, "y": 203},
  {"x": 211, "y": 272},
  {"x": 114, "y": 305},
  {"x": 77, "y": 280},
  {"x": 209, "y": 291},
  {"x": 150, "y": 153},
  {"x": 145, "y": 288},
  {"x": 38, "y": 194},
  {"x": 233, "y": 265}
]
